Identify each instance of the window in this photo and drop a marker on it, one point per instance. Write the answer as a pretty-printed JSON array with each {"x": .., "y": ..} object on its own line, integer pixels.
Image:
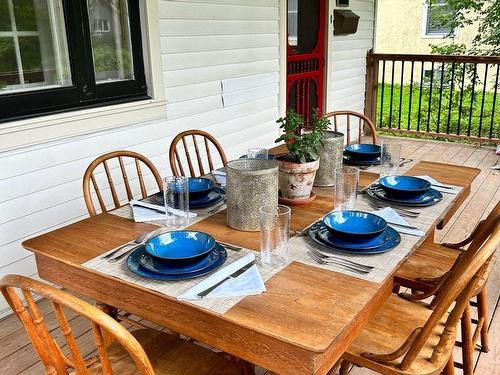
[
  {"x": 59, "y": 55},
  {"x": 437, "y": 17}
]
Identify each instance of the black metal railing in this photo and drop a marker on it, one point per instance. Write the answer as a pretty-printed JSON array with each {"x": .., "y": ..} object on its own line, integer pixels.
[{"x": 444, "y": 96}]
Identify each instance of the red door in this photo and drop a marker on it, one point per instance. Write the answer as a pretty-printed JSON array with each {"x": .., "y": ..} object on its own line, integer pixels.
[{"x": 306, "y": 26}]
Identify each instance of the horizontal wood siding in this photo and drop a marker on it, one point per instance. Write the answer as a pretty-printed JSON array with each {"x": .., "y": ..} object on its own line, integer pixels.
[
  {"x": 347, "y": 62},
  {"x": 220, "y": 66}
]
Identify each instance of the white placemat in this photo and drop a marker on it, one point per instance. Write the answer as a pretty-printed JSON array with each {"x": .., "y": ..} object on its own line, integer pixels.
[
  {"x": 126, "y": 212},
  {"x": 176, "y": 288},
  {"x": 384, "y": 263}
]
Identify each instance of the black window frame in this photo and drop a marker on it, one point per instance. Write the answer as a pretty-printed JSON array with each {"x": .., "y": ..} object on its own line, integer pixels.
[{"x": 84, "y": 92}]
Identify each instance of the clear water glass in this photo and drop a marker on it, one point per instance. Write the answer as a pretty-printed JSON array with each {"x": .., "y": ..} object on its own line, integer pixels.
[
  {"x": 257, "y": 153},
  {"x": 390, "y": 158},
  {"x": 345, "y": 188},
  {"x": 274, "y": 235},
  {"x": 176, "y": 198}
]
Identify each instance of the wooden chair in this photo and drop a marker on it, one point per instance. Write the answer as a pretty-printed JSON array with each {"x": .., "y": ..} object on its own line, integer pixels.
[
  {"x": 105, "y": 160},
  {"x": 361, "y": 119},
  {"x": 431, "y": 262},
  {"x": 408, "y": 336},
  {"x": 209, "y": 142},
  {"x": 119, "y": 351}
]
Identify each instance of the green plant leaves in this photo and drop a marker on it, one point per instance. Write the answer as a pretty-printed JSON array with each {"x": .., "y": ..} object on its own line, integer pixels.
[{"x": 303, "y": 142}]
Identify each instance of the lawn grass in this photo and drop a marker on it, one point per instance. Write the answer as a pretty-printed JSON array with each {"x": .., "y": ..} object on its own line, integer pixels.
[{"x": 442, "y": 117}]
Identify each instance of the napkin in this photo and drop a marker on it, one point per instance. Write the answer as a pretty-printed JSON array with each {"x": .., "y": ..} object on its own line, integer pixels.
[
  {"x": 142, "y": 214},
  {"x": 391, "y": 216},
  {"x": 220, "y": 176},
  {"x": 441, "y": 187},
  {"x": 248, "y": 283}
]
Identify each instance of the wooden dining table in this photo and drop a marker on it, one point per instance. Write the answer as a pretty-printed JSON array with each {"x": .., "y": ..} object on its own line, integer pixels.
[{"x": 302, "y": 324}]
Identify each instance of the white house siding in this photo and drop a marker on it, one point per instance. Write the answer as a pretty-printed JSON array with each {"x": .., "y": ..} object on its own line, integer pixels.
[
  {"x": 220, "y": 67},
  {"x": 347, "y": 60}
]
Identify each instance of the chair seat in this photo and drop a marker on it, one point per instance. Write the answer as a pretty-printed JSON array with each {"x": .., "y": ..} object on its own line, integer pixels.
[
  {"x": 169, "y": 355},
  {"x": 389, "y": 329},
  {"x": 430, "y": 260}
]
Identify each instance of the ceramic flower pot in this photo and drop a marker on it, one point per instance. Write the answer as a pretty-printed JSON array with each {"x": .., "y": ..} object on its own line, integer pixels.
[{"x": 295, "y": 179}]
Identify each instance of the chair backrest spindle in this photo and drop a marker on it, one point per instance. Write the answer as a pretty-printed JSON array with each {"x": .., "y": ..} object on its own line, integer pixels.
[
  {"x": 176, "y": 163},
  {"x": 362, "y": 119},
  {"x": 89, "y": 178},
  {"x": 48, "y": 350},
  {"x": 458, "y": 286}
]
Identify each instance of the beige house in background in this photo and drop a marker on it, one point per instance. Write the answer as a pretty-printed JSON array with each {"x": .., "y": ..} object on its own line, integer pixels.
[{"x": 414, "y": 32}]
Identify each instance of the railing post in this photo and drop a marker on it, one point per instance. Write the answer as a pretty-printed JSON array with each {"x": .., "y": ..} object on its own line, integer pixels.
[{"x": 371, "y": 86}]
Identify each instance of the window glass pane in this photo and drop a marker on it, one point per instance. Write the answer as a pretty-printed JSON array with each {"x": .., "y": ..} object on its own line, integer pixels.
[
  {"x": 438, "y": 19},
  {"x": 111, "y": 43},
  {"x": 31, "y": 57},
  {"x": 4, "y": 16},
  {"x": 24, "y": 13},
  {"x": 8, "y": 67},
  {"x": 33, "y": 49}
]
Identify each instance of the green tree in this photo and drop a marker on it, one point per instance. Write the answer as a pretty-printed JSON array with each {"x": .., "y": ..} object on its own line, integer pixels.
[{"x": 461, "y": 13}]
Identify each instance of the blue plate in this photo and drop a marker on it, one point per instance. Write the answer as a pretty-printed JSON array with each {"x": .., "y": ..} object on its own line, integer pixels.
[
  {"x": 348, "y": 160},
  {"x": 371, "y": 243},
  {"x": 180, "y": 245},
  {"x": 215, "y": 196},
  {"x": 269, "y": 157},
  {"x": 355, "y": 226},
  {"x": 429, "y": 198},
  {"x": 363, "y": 151},
  {"x": 134, "y": 264},
  {"x": 199, "y": 187},
  {"x": 322, "y": 236},
  {"x": 404, "y": 186},
  {"x": 179, "y": 268}
]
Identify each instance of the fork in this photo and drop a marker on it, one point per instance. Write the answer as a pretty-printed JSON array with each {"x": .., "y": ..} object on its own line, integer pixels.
[
  {"x": 331, "y": 261},
  {"x": 137, "y": 241},
  {"x": 326, "y": 257},
  {"x": 125, "y": 253},
  {"x": 399, "y": 210}
]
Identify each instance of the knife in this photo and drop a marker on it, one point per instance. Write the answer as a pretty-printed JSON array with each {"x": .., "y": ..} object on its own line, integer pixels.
[
  {"x": 402, "y": 225},
  {"x": 443, "y": 187},
  {"x": 234, "y": 275},
  {"x": 159, "y": 210}
]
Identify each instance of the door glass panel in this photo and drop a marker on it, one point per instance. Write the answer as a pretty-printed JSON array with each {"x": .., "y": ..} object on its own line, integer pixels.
[
  {"x": 293, "y": 20},
  {"x": 33, "y": 48},
  {"x": 303, "y": 25},
  {"x": 111, "y": 42}
]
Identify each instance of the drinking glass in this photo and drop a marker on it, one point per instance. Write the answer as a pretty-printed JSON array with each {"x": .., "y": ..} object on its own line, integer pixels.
[
  {"x": 390, "y": 158},
  {"x": 257, "y": 153},
  {"x": 274, "y": 235},
  {"x": 345, "y": 188},
  {"x": 176, "y": 198}
]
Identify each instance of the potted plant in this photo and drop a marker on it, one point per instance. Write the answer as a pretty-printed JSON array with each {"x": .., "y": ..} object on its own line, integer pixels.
[{"x": 298, "y": 167}]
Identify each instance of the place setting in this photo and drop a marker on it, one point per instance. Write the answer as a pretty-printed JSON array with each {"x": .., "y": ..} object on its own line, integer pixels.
[{"x": 363, "y": 155}]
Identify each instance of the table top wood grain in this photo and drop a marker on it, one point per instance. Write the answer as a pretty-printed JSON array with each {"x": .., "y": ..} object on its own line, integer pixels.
[{"x": 301, "y": 325}]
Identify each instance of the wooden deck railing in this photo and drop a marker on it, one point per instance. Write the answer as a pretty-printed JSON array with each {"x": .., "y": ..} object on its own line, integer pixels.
[{"x": 445, "y": 96}]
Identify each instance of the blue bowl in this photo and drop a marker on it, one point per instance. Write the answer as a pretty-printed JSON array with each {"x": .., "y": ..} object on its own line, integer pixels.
[
  {"x": 404, "y": 186},
  {"x": 199, "y": 187},
  {"x": 363, "y": 151},
  {"x": 180, "y": 245},
  {"x": 354, "y": 225}
]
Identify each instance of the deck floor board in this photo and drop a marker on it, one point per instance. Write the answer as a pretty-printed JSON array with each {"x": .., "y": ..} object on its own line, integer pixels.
[{"x": 18, "y": 357}]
